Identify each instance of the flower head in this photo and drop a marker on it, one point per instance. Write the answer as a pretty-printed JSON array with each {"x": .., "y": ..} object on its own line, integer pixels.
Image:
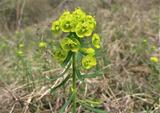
[
  {"x": 20, "y": 53},
  {"x": 64, "y": 15},
  {"x": 145, "y": 41},
  {"x": 56, "y": 26},
  {"x": 83, "y": 29},
  {"x": 67, "y": 23},
  {"x": 21, "y": 45},
  {"x": 69, "y": 44},
  {"x": 60, "y": 55},
  {"x": 77, "y": 21},
  {"x": 78, "y": 25},
  {"x": 96, "y": 40},
  {"x": 88, "y": 51},
  {"x": 91, "y": 21},
  {"x": 88, "y": 61},
  {"x": 42, "y": 45},
  {"x": 154, "y": 59},
  {"x": 79, "y": 15}
]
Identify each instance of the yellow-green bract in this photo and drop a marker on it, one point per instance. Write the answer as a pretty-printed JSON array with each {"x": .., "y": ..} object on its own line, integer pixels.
[
  {"x": 56, "y": 26},
  {"x": 88, "y": 61},
  {"x": 88, "y": 51},
  {"x": 60, "y": 55},
  {"x": 96, "y": 40},
  {"x": 70, "y": 44}
]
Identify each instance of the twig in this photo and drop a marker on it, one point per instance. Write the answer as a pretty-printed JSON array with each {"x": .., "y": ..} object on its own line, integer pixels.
[{"x": 12, "y": 108}]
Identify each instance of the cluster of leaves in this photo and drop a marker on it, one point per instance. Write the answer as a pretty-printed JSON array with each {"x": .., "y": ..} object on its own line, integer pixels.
[{"x": 79, "y": 26}]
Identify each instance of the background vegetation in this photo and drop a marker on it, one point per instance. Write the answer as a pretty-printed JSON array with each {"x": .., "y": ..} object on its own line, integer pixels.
[{"x": 130, "y": 36}]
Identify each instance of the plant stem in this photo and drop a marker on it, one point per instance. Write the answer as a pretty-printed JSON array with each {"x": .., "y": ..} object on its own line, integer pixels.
[{"x": 74, "y": 89}]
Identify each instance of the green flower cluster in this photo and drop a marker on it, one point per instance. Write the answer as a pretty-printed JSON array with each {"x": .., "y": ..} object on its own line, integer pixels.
[
  {"x": 20, "y": 50},
  {"x": 154, "y": 59},
  {"x": 79, "y": 25},
  {"x": 77, "y": 21},
  {"x": 60, "y": 54},
  {"x": 42, "y": 45}
]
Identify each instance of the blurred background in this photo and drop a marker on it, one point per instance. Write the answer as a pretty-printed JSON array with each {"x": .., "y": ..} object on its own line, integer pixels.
[{"x": 130, "y": 54}]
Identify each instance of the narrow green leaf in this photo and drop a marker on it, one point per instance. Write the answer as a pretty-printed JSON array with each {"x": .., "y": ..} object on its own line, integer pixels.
[
  {"x": 66, "y": 61},
  {"x": 91, "y": 75},
  {"x": 94, "y": 103},
  {"x": 79, "y": 76},
  {"x": 66, "y": 104},
  {"x": 62, "y": 83},
  {"x": 55, "y": 77},
  {"x": 96, "y": 110}
]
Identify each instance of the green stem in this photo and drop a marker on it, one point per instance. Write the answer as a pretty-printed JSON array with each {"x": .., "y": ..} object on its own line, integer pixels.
[
  {"x": 74, "y": 89},
  {"x": 28, "y": 72}
]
